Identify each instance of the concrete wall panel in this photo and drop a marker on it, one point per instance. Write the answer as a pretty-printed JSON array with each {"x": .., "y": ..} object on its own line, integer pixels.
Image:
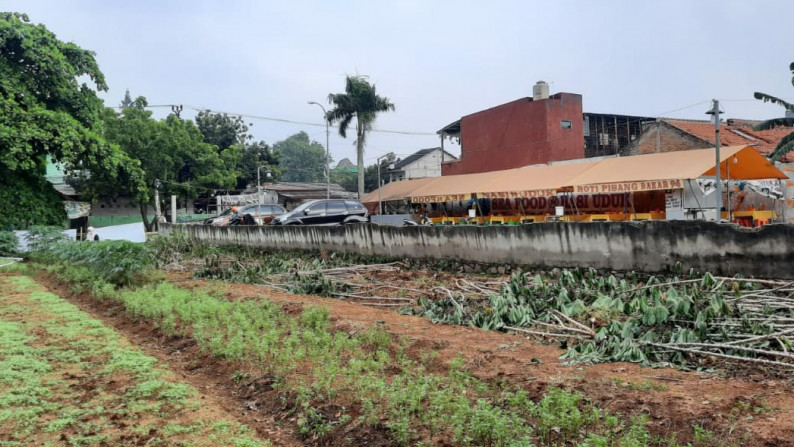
[{"x": 642, "y": 246}]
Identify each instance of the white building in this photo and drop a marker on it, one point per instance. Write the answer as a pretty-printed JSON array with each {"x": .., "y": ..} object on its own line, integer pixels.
[{"x": 421, "y": 164}]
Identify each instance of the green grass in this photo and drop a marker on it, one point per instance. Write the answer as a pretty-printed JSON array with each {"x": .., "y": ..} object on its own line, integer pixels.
[
  {"x": 315, "y": 367},
  {"x": 55, "y": 366}
]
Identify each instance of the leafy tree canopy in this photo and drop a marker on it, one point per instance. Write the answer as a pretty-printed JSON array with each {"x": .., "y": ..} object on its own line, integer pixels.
[
  {"x": 261, "y": 155},
  {"x": 171, "y": 154},
  {"x": 222, "y": 130},
  {"x": 127, "y": 101},
  {"x": 786, "y": 144},
  {"x": 229, "y": 134},
  {"x": 302, "y": 160},
  {"x": 30, "y": 200},
  {"x": 44, "y": 109}
]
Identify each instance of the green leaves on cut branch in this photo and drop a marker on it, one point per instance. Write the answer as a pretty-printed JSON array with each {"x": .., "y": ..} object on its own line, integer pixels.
[{"x": 626, "y": 317}]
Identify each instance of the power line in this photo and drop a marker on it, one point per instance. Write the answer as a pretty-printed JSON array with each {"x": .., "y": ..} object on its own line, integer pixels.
[{"x": 284, "y": 120}]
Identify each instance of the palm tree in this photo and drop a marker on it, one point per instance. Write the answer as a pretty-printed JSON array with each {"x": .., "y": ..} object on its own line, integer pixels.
[
  {"x": 362, "y": 103},
  {"x": 786, "y": 144}
]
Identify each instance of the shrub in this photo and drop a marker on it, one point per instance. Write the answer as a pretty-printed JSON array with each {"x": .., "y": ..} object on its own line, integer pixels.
[
  {"x": 117, "y": 262},
  {"x": 8, "y": 243},
  {"x": 44, "y": 237}
]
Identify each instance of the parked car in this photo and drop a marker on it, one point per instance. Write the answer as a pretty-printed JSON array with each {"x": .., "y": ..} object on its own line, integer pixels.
[
  {"x": 263, "y": 217},
  {"x": 325, "y": 212},
  {"x": 265, "y": 214}
]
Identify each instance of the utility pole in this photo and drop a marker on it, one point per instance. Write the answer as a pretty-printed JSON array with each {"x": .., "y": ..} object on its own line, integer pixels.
[
  {"x": 157, "y": 203},
  {"x": 258, "y": 195},
  {"x": 715, "y": 110},
  {"x": 380, "y": 202},
  {"x": 177, "y": 110},
  {"x": 259, "y": 190}
]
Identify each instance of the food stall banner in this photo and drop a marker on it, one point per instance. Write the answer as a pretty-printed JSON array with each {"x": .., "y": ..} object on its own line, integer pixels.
[
  {"x": 648, "y": 185},
  {"x": 441, "y": 198},
  {"x": 668, "y": 170},
  {"x": 451, "y": 188}
]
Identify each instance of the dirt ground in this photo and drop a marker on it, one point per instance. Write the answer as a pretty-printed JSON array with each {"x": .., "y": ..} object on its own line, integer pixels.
[
  {"x": 754, "y": 408},
  {"x": 72, "y": 396}
]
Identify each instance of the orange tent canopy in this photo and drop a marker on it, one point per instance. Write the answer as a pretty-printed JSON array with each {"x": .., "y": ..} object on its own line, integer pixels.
[
  {"x": 531, "y": 181},
  {"x": 451, "y": 188},
  {"x": 396, "y": 190},
  {"x": 668, "y": 170}
]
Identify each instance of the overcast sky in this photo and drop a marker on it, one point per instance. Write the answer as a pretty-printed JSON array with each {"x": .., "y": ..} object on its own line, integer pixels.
[{"x": 435, "y": 60}]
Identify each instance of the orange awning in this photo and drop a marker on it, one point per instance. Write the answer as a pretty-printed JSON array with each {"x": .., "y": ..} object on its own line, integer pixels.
[
  {"x": 669, "y": 170},
  {"x": 532, "y": 181},
  {"x": 649, "y": 172},
  {"x": 450, "y": 188},
  {"x": 396, "y": 190}
]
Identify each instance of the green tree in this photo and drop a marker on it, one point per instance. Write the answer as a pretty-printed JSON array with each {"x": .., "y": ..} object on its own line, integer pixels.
[
  {"x": 235, "y": 146},
  {"x": 371, "y": 173},
  {"x": 301, "y": 160},
  {"x": 222, "y": 130},
  {"x": 360, "y": 101},
  {"x": 127, "y": 101},
  {"x": 786, "y": 144},
  {"x": 46, "y": 112},
  {"x": 171, "y": 153},
  {"x": 345, "y": 178},
  {"x": 253, "y": 155}
]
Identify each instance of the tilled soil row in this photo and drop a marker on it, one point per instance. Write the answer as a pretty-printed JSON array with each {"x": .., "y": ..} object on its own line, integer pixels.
[{"x": 756, "y": 410}]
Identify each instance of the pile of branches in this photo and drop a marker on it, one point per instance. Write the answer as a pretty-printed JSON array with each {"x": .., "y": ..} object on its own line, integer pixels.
[
  {"x": 388, "y": 284},
  {"x": 683, "y": 321}
]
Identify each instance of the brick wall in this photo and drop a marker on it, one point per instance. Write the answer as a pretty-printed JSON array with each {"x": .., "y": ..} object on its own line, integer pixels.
[
  {"x": 520, "y": 133},
  {"x": 661, "y": 137}
]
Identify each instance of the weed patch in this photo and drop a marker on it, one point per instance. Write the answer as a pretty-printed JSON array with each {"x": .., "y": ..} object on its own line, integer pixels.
[{"x": 55, "y": 368}]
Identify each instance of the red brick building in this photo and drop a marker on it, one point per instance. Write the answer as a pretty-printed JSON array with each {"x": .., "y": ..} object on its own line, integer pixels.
[{"x": 522, "y": 132}]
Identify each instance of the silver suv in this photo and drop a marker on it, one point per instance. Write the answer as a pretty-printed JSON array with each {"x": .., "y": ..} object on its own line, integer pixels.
[{"x": 325, "y": 212}]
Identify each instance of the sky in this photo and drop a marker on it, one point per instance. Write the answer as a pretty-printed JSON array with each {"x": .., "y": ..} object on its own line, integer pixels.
[{"x": 435, "y": 60}]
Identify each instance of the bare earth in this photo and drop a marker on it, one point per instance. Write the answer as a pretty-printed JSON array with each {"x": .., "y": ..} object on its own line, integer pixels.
[{"x": 753, "y": 407}]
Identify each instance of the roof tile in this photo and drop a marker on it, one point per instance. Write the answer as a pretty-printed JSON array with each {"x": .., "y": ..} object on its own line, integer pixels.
[{"x": 736, "y": 133}]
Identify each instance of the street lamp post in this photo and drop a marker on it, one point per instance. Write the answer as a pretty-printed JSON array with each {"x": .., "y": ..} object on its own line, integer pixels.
[
  {"x": 327, "y": 152},
  {"x": 380, "y": 204},
  {"x": 715, "y": 110},
  {"x": 259, "y": 191}
]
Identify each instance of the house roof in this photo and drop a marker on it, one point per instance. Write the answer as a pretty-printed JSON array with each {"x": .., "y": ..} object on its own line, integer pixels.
[
  {"x": 452, "y": 128},
  {"x": 300, "y": 186},
  {"x": 305, "y": 191},
  {"x": 416, "y": 156},
  {"x": 735, "y": 132}
]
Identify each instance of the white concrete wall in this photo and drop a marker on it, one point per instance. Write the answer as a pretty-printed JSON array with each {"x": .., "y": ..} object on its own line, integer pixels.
[
  {"x": 641, "y": 246},
  {"x": 120, "y": 206},
  {"x": 427, "y": 166}
]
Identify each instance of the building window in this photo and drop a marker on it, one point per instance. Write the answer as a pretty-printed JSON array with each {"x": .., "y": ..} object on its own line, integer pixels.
[{"x": 565, "y": 124}]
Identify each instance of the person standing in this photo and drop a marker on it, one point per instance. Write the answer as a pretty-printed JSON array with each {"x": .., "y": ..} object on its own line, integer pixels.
[{"x": 91, "y": 235}]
